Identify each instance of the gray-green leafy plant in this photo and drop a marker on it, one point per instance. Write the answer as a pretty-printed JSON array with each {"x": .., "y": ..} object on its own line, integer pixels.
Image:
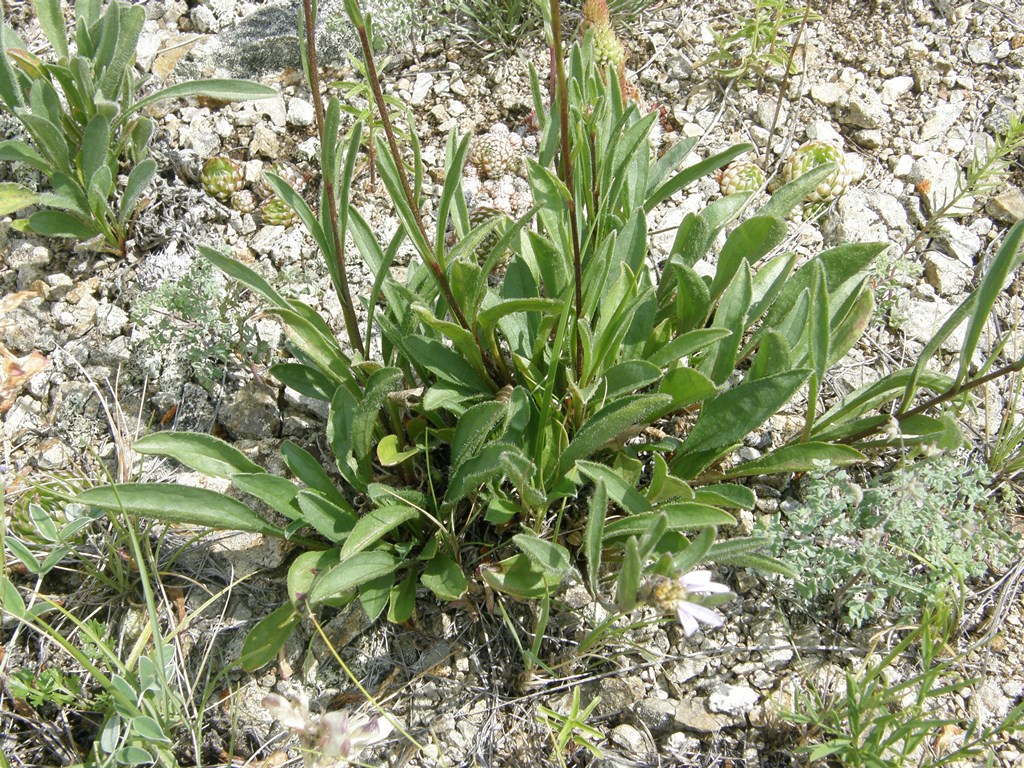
[
  {"x": 517, "y": 414},
  {"x": 912, "y": 537},
  {"x": 200, "y": 321},
  {"x": 761, "y": 40},
  {"x": 884, "y": 719},
  {"x": 572, "y": 727},
  {"x": 84, "y": 116}
]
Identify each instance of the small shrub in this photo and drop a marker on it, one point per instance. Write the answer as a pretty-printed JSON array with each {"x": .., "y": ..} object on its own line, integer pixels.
[{"x": 895, "y": 546}]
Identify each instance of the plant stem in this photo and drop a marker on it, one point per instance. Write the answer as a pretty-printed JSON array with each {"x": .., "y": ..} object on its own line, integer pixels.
[
  {"x": 1015, "y": 367},
  {"x": 403, "y": 175},
  {"x": 347, "y": 308},
  {"x": 565, "y": 171}
]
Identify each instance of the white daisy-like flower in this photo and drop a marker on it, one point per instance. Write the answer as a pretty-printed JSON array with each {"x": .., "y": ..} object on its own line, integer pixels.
[{"x": 675, "y": 596}]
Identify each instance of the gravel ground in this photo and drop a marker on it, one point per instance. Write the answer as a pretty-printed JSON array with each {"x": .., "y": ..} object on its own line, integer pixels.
[{"x": 909, "y": 90}]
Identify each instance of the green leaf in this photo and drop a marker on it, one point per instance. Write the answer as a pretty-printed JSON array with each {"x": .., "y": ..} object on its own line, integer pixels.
[
  {"x": 305, "y": 569},
  {"x": 445, "y": 363},
  {"x": 546, "y": 555},
  {"x": 628, "y": 376},
  {"x": 388, "y": 453},
  {"x": 619, "y": 490},
  {"x": 17, "y": 151},
  {"x": 95, "y": 148},
  {"x": 686, "y": 386},
  {"x": 473, "y": 430},
  {"x": 520, "y": 577},
  {"x": 799, "y": 457},
  {"x": 60, "y": 224},
  {"x": 686, "y": 344},
  {"x": 403, "y": 599},
  {"x": 751, "y": 240},
  {"x": 276, "y": 492},
  {"x": 773, "y": 356},
  {"x": 14, "y": 197},
  {"x": 609, "y": 423},
  {"x": 679, "y": 516},
  {"x": 380, "y": 384},
  {"x": 695, "y": 552},
  {"x": 351, "y": 573},
  {"x": 374, "y": 525},
  {"x": 139, "y": 178},
  {"x": 263, "y": 642},
  {"x": 627, "y": 585},
  {"x": 332, "y": 521},
  {"x": 729, "y": 496},
  {"x": 223, "y": 90},
  {"x": 311, "y": 472},
  {"x": 201, "y": 452},
  {"x": 736, "y": 413},
  {"x": 51, "y": 20},
  {"x": 593, "y": 534},
  {"x": 243, "y": 274},
  {"x": 374, "y": 595},
  {"x": 444, "y": 578},
  {"x": 305, "y": 380},
  {"x": 149, "y": 729},
  {"x": 1007, "y": 259},
  {"x": 179, "y": 504},
  {"x": 133, "y": 755}
]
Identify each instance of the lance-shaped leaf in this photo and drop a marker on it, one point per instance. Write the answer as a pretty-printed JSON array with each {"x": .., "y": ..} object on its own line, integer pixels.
[
  {"x": 201, "y": 452},
  {"x": 351, "y": 573},
  {"x": 179, "y": 504}
]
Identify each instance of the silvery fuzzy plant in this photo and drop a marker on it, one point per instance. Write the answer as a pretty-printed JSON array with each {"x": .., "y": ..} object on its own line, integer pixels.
[
  {"x": 521, "y": 416},
  {"x": 85, "y": 122}
]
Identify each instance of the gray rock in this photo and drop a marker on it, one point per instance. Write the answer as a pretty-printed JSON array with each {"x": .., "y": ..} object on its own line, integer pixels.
[
  {"x": 957, "y": 240},
  {"x": 252, "y": 412},
  {"x": 828, "y": 94},
  {"x": 895, "y": 87},
  {"x": 938, "y": 177},
  {"x": 24, "y": 330},
  {"x": 618, "y": 694},
  {"x": 979, "y": 50},
  {"x": 947, "y": 275},
  {"x": 862, "y": 107},
  {"x": 732, "y": 699},
  {"x": 657, "y": 714},
  {"x": 264, "y": 142},
  {"x": 920, "y": 319},
  {"x": 1007, "y": 206},
  {"x": 863, "y": 215},
  {"x": 300, "y": 113},
  {"x": 420, "y": 89},
  {"x": 634, "y": 741},
  {"x": 27, "y": 254},
  {"x": 940, "y": 119},
  {"x": 200, "y": 136},
  {"x": 692, "y": 715},
  {"x": 110, "y": 320},
  {"x": 204, "y": 19}
]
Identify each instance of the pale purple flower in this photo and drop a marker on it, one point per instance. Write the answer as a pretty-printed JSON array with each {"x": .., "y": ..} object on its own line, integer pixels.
[
  {"x": 675, "y": 596},
  {"x": 333, "y": 735}
]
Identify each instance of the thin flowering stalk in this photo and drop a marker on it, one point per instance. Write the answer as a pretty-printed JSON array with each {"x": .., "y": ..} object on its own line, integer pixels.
[
  {"x": 347, "y": 308},
  {"x": 565, "y": 171},
  {"x": 355, "y": 14}
]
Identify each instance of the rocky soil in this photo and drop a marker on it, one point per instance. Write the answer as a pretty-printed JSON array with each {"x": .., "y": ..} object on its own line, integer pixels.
[{"x": 910, "y": 90}]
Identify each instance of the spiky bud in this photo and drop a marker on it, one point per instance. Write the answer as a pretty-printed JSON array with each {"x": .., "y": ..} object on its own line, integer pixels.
[
  {"x": 243, "y": 201},
  {"x": 608, "y": 51},
  {"x": 496, "y": 153},
  {"x": 811, "y": 155},
  {"x": 221, "y": 177},
  {"x": 277, "y": 213},
  {"x": 740, "y": 176},
  {"x": 595, "y": 13},
  {"x": 292, "y": 176}
]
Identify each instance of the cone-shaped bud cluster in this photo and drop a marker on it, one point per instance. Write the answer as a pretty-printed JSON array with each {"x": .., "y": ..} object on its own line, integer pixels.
[
  {"x": 740, "y": 176},
  {"x": 276, "y": 212},
  {"x": 497, "y": 153},
  {"x": 608, "y": 49},
  {"x": 811, "y": 155},
  {"x": 221, "y": 177}
]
